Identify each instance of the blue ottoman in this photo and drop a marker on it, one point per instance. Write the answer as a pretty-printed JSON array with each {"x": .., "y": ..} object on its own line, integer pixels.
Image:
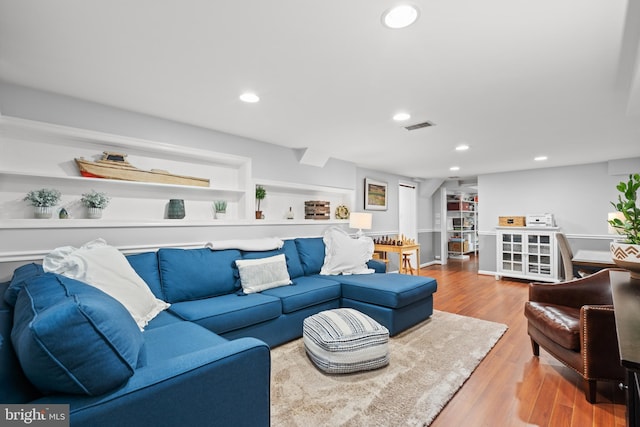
[
  {"x": 344, "y": 340},
  {"x": 398, "y": 301}
]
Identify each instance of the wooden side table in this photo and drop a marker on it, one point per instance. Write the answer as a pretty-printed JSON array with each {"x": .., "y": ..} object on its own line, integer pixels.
[
  {"x": 626, "y": 303},
  {"x": 401, "y": 250}
]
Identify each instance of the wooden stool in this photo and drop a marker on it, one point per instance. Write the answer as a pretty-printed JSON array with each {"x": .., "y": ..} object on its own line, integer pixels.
[{"x": 406, "y": 262}]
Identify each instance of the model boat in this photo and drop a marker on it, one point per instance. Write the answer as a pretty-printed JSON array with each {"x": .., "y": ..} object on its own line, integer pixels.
[{"x": 115, "y": 166}]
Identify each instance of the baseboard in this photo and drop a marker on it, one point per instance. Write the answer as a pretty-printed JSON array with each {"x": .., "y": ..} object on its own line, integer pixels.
[{"x": 489, "y": 273}]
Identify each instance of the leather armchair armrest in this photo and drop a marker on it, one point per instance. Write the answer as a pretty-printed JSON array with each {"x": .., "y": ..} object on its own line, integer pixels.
[
  {"x": 593, "y": 289},
  {"x": 599, "y": 342}
]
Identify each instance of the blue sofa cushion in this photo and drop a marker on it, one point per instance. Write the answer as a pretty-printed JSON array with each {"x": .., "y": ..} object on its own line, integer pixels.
[
  {"x": 20, "y": 276},
  {"x": 229, "y": 312},
  {"x": 293, "y": 259},
  {"x": 14, "y": 387},
  {"x": 73, "y": 338},
  {"x": 185, "y": 338},
  {"x": 190, "y": 274},
  {"x": 305, "y": 292},
  {"x": 290, "y": 252},
  {"x": 388, "y": 290},
  {"x": 311, "y": 252},
  {"x": 146, "y": 265}
]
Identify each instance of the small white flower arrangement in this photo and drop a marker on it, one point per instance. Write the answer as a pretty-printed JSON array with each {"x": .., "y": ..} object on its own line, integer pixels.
[
  {"x": 94, "y": 199},
  {"x": 45, "y": 197}
]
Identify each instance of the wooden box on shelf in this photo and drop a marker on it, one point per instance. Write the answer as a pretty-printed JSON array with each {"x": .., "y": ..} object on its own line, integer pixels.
[
  {"x": 317, "y": 209},
  {"x": 459, "y": 246},
  {"x": 511, "y": 221},
  {"x": 458, "y": 206}
]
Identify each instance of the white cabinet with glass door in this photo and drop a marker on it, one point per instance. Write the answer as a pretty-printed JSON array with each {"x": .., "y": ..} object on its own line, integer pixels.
[{"x": 527, "y": 253}]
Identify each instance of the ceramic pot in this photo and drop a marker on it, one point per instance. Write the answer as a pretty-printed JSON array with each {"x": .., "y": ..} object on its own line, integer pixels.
[
  {"x": 221, "y": 215},
  {"x": 176, "y": 209},
  {"x": 42, "y": 212},
  {"x": 258, "y": 214},
  {"x": 94, "y": 213},
  {"x": 627, "y": 256}
]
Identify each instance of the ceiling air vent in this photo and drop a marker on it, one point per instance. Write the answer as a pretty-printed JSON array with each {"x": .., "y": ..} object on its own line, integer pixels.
[{"x": 420, "y": 125}]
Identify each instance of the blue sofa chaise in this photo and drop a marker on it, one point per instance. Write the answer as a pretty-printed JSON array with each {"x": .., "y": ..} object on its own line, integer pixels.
[{"x": 205, "y": 360}]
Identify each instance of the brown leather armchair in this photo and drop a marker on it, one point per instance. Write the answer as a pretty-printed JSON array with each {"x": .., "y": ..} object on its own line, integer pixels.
[{"x": 574, "y": 322}]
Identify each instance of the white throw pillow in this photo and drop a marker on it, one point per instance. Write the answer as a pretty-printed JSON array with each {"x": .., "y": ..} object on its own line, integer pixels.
[
  {"x": 344, "y": 254},
  {"x": 105, "y": 268},
  {"x": 264, "y": 273}
]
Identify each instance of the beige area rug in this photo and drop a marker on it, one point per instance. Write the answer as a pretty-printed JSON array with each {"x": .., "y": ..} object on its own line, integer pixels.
[{"x": 429, "y": 363}]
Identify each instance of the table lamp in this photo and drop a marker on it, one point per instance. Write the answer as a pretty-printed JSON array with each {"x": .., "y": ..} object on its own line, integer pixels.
[
  {"x": 361, "y": 221},
  {"x": 614, "y": 215}
]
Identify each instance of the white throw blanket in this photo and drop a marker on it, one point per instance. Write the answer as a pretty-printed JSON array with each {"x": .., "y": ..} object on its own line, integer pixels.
[{"x": 104, "y": 267}]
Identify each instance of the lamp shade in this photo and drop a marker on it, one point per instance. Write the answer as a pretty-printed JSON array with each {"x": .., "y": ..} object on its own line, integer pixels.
[
  {"x": 614, "y": 215},
  {"x": 360, "y": 220}
]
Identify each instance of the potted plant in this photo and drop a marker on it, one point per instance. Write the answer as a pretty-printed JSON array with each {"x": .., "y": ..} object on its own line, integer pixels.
[
  {"x": 221, "y": 208},
  {"x": 626, "y": 252},
  {"x": 261, "y": 193},
  {"x": 95, "y": 203},
  {"x": 43, "y": 201}
]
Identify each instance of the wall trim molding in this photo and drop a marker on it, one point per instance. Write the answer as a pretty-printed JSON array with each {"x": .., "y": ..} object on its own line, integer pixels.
[
  {"x": 38, "y": 255},
  {"x": 569, "y": 235}
]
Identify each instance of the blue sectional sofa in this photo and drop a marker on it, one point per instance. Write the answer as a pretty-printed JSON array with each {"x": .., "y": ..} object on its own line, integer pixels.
[{"x": 205, "y": 360}]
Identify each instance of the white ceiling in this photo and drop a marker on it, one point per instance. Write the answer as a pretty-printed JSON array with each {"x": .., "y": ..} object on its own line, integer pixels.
[{"x": 513, "y": 79}]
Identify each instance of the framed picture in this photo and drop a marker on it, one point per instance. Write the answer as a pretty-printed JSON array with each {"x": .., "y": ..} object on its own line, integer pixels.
[{"x": 375, "y": 195}]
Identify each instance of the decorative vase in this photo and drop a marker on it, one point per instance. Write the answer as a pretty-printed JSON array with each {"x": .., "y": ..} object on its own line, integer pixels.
[
  {"x": 43, "y": 212},
  {"x": 94, "y": 213},
  {"x": 176, "y": 209},
  {"x": 627, "y": 256},
  {"x": 221, "y": 215}
]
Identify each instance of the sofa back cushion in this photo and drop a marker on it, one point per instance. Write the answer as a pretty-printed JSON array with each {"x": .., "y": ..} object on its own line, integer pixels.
[
  {"x": 73, "y": 338},
  {"x": 146, "y": 265},
  {"x": 290, "y": 252},
  {"x": 15, "y": 388},
  {"x": 311, "y": 252},
  {"x": 190, "y": 274},
  {"x": 20, "y": 276}
]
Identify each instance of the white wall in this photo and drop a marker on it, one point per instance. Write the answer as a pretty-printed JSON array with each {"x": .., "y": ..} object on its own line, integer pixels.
[
  {"x": 578, "y": 196},
  {"x": 269, "y": 162}
]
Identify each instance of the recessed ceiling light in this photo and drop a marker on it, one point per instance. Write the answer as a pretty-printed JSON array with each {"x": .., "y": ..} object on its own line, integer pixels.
[
  {"x": 540, "y": 158},
  {"x": 400, "y": 117},
  {"x": 454, "y": 168},
  {"x": 249, "y": 97},
  {"x": 462, "y": 147},
  {"x": 400, "y": 16}
]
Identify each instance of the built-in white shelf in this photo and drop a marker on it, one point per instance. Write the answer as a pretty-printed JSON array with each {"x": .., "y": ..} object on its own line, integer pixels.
[
  {"x": 55, "y": 223},
  {"x": 284, "y": 195},
  {"x": 101, "y": 184},
  {"x": 306, "y": 189},
  {"x": 38, "y": 155}
]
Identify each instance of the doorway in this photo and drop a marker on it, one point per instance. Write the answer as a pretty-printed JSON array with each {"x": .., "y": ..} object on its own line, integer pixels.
[{"x": 408, "y": 215}]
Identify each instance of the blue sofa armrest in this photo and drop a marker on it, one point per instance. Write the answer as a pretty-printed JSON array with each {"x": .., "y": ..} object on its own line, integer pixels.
[
  {"x": 224, "y": 385},
  {"x": 378, "y": 266}
]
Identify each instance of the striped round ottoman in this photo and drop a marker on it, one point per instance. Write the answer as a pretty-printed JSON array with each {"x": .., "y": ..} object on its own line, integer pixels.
[{"x": 344, "y": 340}]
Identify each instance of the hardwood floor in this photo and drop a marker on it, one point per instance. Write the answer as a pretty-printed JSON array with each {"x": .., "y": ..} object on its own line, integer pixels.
[{"x": 511, "y": 387}]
